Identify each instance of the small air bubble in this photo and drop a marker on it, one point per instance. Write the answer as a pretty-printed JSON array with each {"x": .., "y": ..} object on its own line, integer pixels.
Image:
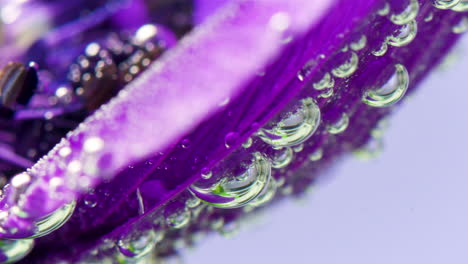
[
  {"x": 295, "y": 127},
  {"x": 407, "y": 15},
  {"x": 15, "y": 249},
  {"x": 178, "y": 219},
  {"x": 445, "y": 4},
  {"x": 248, "y": 143},
  {"x": 404, "y": 35},
  {"x": 359, "y": 44},
  {"x": 316, "y": 155},
  {"x": 231, "y": 139},
  {"x": 340, "y": 125},
  {"x": 186, "y": 143},
  {"x": 461, "y": 26},
  {"x": 348, "y": 67},
  {"x": 282, "y": 158},
  {"x": 391, "y": 92}
]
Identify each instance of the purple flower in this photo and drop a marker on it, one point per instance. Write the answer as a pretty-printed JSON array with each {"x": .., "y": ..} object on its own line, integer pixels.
[{"x": 251, "y": 104}]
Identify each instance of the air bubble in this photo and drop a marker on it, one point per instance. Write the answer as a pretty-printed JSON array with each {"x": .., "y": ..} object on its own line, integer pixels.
[
  {"x": 298, "y": 148},
  {"x": 384, "y": 10},
  {"x": 306, "y": 70},
  {"x": 206, "y": 174},
  {"x": 229, "y": 229},
  {"x": 391, "y": 92},
  {"x": 326, "y": 94},
  {"x": 267, "y": 195},
  {"x": 316, "y": 155},
  {"x": 370, "y": 151},
  {"x": 404, "y": 35},
  {"x": 248, "y": 143},
  {"x": 54, "y": 221},
  {"x": 237, "y": 189},
  {"x": 445, "y": 4},
  {"x": 407, "y": 15},
  {"x": 15, "y": 249},
  {"x": 282, "y": 158},
  {"x": 192, "y": 202},
  {"x": 340, "y": 125},
  {"x": 429, "y": 17},
  {"x": 327, "y": 82},
  {"x": 138, "y": 244},
  {"x": 178, "y": 218},
  {"x": 230, "y": 139},
  {"x": 287, "y": 190},
  {"x": 461, "y": 26},
  {"x": 217, "y": 223},
  {"x": 461, "y": 7},
  {"x": 185, "y": 144},
  {"x": 359, "y": 44},
  {"x": 347, "y": 68},
  {"x": 91, "y": 200},
  {"x": 295, "y": 127},
  {"x": 381, "y": 51}
]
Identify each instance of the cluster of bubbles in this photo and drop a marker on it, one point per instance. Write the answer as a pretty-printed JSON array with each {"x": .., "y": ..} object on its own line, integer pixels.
[
  {"x": 252, "y": 182},
  {"x": 456, "y": 5},
  {"x": 256, "y": 178}
]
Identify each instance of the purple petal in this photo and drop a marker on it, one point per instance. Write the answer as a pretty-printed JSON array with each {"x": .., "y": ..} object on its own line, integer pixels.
[{"x": 246, "y": 68}]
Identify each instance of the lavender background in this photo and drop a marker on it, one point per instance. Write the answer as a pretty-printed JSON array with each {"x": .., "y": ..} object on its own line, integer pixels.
[{"x": 410, "y": 205}]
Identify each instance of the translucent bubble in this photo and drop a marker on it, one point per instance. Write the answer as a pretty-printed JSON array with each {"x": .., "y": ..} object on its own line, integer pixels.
[
  {"x": 298, "y": 148},
  {"x": 229, "y": 230},
  {"x": 206, "y": 174},
  {"x": 217, "y": 223},
  {"x": 192, "y": 202},
  {"x": 266, "y": 196},
  {"x": 385, "y": 10},
  {"x": 461, "y": 26},
  {"x": 391, "y": 92},
  {"x": 347, "y": 68},
  {"x": 429, "y": 17},
  {"x": 54, "y": 221},
  {"x": 316, "y": 155},
  {"x": 462, "y": 6},
  {"x": 359, "y": 44},
  {"x": 282, "y": 158},
  {"x": 237, "y": 189},
  {"x": 15, "y": 249},
  {"x": 410, "y": 13},
  {"x": 306, "y": 70},
  {"x": 91, "y": 200},
  {"x": 230, "y": 139},
  {"x": 295, "y": 128},
  {"x": 247, "y": 143},
  {"x": 287, "y": 190},
  {"x": 178, "y": 218},
  {"x": 326, "y": 94},
  {"x": 327, "y": 82},
  {"x": 404, "y": 35},
  {"x": 138, "y": 244},
  {"x": 445, "y": 4},
  {"x": 340, "y": 125},
  {"x": 185, "y": 143},
  {"x": 370, "y": 151},
  {"x": 381, "y": 51}
]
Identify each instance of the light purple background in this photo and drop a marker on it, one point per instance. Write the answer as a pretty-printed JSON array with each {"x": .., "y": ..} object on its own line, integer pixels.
[{"x": 410, "y": 205}]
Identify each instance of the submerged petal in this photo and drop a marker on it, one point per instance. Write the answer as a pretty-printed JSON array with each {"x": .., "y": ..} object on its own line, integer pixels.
[{"x": 210, "y": 113}]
